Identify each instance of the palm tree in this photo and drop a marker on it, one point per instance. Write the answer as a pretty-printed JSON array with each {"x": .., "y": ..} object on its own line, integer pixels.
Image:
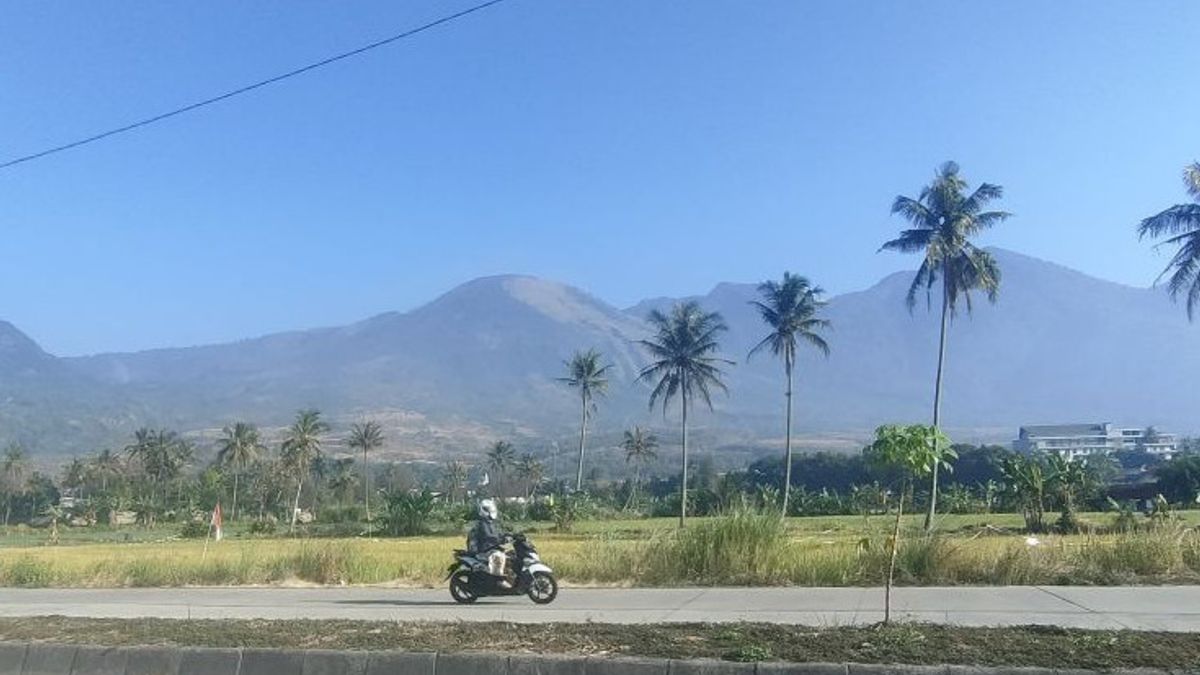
[
  {"x": 944, "y": 218},
  {"x": 106, "y": 465},
  {"x": 238, "y": 447},
  {"x": 301, "y": 445},
  {"x": 13, "y": 468},
  {"x": 1181, "y": 225},
  {"x": 789, "y": 308},
  {"x": 531, "y": 471},
  {"x": 500, "y": 457},
  {"x": 640, "y": 449},
  {"x": 684, "y": 363},
  {"x": 585, "y": 372},
  {"x": 454, "y": 478},
  {"x": 366, "y": 437}
]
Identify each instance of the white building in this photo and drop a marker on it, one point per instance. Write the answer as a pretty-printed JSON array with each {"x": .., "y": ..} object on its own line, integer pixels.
[{"x": 1072, "y": 441}]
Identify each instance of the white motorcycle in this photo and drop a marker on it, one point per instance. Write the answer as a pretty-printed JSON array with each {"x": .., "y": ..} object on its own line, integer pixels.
[{"x": 470, "y": 579}]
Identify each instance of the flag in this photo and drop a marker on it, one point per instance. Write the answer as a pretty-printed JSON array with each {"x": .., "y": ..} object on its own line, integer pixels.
[{"x": 216, "y": 522}]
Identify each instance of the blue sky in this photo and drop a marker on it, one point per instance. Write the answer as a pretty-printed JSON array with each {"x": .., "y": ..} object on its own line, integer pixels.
[{"x": 631, "y": 147}]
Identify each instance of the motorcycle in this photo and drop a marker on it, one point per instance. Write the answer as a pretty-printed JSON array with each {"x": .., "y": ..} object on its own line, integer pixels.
[{"x": 470, "y": 580}]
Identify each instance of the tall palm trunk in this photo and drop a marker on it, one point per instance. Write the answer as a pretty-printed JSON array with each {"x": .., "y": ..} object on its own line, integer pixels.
[
  {"x": 296, "y": 506},
  {"x": 937, "y": 394},
  {"x": 787, "y": 471},
  {"x": 582, "y": 435},
  {"x": 683, "y": 482},
  {"x": 233, "y": 513},
  {"x": 367, "y": 489}
]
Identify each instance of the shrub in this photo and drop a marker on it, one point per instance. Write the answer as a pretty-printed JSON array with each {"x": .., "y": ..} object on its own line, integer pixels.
[
  {"x": 567, "y": 509},
  {"x": 262, "y": 527},
  {"x": 194, "y": 529},
  {"x": 409, "y": 513},
  {"x": 744, "y": 545}
]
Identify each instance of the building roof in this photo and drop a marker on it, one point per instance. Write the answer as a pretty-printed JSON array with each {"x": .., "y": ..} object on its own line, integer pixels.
[{"x": 1043, "y": 430}]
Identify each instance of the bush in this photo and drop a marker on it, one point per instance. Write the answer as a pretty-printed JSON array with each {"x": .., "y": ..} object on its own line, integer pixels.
[
  {"x": 262, "y": 527},
  {"x": 194, "y": 529},
  {"x": 409, "y": 513},
  {"x": 744, "y": 545},
  {"x": 567, "y": 509}
]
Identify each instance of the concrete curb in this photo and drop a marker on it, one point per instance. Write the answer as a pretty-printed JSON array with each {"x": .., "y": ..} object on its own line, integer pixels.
[{"x": 67, "y": 659}]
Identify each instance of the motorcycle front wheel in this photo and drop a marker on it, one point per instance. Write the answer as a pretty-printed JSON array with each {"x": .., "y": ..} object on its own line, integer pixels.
[
  {"x": 460, "y": 589},
  {"x": 543, "y": 588}
]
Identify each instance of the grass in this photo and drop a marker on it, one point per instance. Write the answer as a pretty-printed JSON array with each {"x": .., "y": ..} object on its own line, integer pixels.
[
  {"x": 742, "y": 549},
  {"x": 898, "y": 643}
]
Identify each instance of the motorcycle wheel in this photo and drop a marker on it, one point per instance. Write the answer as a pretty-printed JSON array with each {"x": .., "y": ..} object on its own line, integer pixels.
[
  {"x": 543, "y": 588},
  {"x": 460, "y": 589}
]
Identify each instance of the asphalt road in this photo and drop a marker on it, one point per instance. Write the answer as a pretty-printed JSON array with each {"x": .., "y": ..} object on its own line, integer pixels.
[{"x": 1174, "y": 608}]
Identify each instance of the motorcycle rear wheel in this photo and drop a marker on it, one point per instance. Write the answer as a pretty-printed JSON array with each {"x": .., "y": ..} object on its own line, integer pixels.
[
  {"x": 460, "y": 589},
  {"x": 543, "y": 588}
]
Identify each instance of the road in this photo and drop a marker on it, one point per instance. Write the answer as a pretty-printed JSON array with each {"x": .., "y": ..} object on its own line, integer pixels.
[{"x": 1174, "y": 608}]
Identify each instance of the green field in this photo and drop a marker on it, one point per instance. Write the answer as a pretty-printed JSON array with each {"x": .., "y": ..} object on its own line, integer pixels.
[{"x": 750, "y": 550}]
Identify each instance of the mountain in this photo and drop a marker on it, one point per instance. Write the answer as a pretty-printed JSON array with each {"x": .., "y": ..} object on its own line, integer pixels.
[{"x": 480, "y": 362}]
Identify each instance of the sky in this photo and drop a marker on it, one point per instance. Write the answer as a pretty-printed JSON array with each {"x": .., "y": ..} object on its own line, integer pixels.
[{"x": 633, "y": 148}]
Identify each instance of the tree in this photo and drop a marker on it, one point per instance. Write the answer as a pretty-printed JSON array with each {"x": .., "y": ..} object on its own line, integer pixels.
[
  {"x": 1180, "y": 224},
  {"x": 500, "y": 458},
  {"x": 684, "y": 363},
  {"x": 640, "y": 449},
  {"x": 162, "y": 455},
  {"x": 454, "y": 479},
  {"x": 1179, "y": 479},
  {"x": 531, "y": 471},
  {"x": 1025, "y": 479},
  {"x": 238, "y": 447},
  {"x": 366, "y": 437},
  {"x": 789, "y": 308},
  {"x": 14, "y": 466},
  {"x": 1069, "y": 481},
  {"x": 301, "y": 445},
  {"x": 586, "y": 373},
  {"x": 107, "y": 466},
  {"x": 916, "y": 451},
  {"x": 943, "y": 220}
]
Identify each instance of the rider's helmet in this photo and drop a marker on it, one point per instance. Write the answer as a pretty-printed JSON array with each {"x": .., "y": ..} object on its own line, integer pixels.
[{"x": 487, "y": 509}]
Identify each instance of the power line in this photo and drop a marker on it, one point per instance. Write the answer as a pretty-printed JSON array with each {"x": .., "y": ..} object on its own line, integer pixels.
[{"x": 251, "y": 87}]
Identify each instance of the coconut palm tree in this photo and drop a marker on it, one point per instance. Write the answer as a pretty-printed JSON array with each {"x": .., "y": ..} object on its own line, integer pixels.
[
  {"x": 238, "y": 447},
  {"x": 301, "y": 445},
  {"x": 366, "y": 437},
  {"x": 531, "y": 471},
  {"x": 944, "y": 218},
  {"x": 1180, "y": 224},
  {"x": 789, "y": 308},
  {"x": 640, "y": 449},
  {"x": 106, "y": 465},
  {"x": 454, "y": 478},
  {"x": 684, "y": 363},
  {"x": 500, "y": 458},
  {"x": 586, "y": 373},
  {"x": 13, "y": 472}
]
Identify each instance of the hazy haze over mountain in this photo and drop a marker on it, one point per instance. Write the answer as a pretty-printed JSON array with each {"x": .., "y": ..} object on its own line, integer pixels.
[{"x": 479, "y": 362}]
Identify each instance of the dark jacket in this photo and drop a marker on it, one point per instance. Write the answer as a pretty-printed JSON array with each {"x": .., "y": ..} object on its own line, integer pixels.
[{"x": 485, "y": 535}]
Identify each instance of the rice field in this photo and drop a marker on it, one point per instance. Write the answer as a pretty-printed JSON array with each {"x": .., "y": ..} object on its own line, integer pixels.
[{"x": 741, "y": 549}]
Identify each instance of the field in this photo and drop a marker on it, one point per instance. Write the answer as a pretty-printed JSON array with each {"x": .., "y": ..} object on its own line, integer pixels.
[{"x": 748, "y": 549}]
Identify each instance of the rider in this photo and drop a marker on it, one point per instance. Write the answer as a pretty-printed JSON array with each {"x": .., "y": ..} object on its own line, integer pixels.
[{"x": 486, "y": 538}]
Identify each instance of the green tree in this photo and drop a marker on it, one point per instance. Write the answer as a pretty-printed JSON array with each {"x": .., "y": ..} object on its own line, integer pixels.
[
  {"x": 789, "y": 308},
  {"x": 300, "y": 448},
  {"x": 1025, "y": 480},
  {"x": 14, "y": 466},
  {"x": 684, "y": 363},
  {"x": 943, "y": 219},
  {"x": 238, "y": 447},
  {"x": 454, "y": 480},
  {"x": 1069, "y": 481},
  {"x": 916, "y": 451},
  {"x": 500, "y": 458},
  {"x": 1180, "y": 224},
  {"x": 366, "y": 437},
  {"x": 589, "y": 375},
  {"x": 106, "y": 466},
  {"x": 1179, "y": 479},
  {"x": 162, "y": 455},
  {"x": 641, "y": 448},
  {"x": 531, "y": 472}
]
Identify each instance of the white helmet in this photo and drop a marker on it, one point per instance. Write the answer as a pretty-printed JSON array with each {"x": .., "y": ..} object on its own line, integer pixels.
[{"x": 487, "y": 509}]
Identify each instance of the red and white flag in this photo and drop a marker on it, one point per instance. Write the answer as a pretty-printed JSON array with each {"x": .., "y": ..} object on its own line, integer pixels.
[{"x": 216, "y": 522}]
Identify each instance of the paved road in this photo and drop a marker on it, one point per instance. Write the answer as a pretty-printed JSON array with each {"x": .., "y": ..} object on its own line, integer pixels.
[{"x": 1175, "y": 608}]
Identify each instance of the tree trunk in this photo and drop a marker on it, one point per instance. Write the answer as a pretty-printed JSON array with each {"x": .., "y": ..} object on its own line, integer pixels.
[
  {"x": 683, "y": 482},
  {"x": 887, "y": 594},
  {"x": 582, "y": 435},
  {"x": 367, "y": 489},
  {"x": 233, "y": 512},
  {"x": 937, "y": 396},
  {"x": 787, "y": 471},
  {"x": 296, "y": 506}
]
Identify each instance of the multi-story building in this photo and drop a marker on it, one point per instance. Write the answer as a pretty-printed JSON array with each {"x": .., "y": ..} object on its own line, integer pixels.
[{"x": 1072, "y": 441}]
